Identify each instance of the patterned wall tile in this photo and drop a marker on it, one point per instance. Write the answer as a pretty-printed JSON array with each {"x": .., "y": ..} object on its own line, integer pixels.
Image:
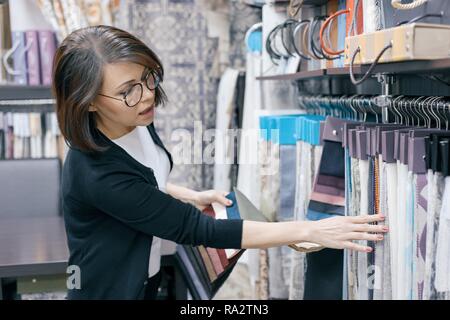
[{"x": 177, "y": 31}]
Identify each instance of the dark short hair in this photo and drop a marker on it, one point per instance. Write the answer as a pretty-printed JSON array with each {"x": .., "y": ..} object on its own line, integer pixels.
[{"x": 78, "y": 75}]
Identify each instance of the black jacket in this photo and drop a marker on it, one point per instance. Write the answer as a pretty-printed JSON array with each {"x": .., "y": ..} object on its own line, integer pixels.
[{"x": 112, "y": 208}]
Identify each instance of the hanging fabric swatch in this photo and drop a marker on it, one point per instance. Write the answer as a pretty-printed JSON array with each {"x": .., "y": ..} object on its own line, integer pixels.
[{"x": 324, "y": 273}]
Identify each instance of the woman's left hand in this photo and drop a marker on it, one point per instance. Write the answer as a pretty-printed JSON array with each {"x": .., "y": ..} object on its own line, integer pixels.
[{"x": 205, "y": 198}]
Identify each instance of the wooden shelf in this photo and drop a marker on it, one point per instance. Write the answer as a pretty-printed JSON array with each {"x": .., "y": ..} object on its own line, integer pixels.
[
  {"x": 303, "y": 75},
  {"x": 32, "y": 103},
  {"x": 315, "y": 2},
  {"x": 17, "y": 92},
  {"x": 416, "y": 66},
  {"x": 286, "y": 2},
  {"x": 404, "y": 67},
  {"x": 344, "y": 71}
]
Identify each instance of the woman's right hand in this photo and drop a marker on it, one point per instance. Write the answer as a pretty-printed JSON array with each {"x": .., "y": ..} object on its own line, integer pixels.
[{"x": 338, "y": 232}]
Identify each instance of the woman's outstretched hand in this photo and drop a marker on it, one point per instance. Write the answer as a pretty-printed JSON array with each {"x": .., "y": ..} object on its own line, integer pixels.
[
  {"x": 205, "y": 198},
  {"x": 338, "y": 232}
]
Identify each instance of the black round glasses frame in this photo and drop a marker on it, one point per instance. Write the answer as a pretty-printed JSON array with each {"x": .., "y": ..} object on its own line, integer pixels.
[{"x": 156, "y": 82}]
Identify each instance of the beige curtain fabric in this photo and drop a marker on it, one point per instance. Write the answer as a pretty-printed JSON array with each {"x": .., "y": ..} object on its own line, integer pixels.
[{"x": 66, "y": 16}]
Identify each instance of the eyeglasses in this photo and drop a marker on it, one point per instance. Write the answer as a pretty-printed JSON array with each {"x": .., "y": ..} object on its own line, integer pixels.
[{"x": 134, "y": 95}]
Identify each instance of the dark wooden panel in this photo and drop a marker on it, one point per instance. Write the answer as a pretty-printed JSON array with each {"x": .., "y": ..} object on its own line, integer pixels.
[{"x": 32, "y": 246}]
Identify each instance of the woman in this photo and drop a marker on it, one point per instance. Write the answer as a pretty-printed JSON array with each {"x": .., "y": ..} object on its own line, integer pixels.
[{"x": 116, "y": 201}]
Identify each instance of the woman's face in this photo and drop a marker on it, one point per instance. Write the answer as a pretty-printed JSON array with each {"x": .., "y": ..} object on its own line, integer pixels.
[{"x": 114, "y": 118}]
